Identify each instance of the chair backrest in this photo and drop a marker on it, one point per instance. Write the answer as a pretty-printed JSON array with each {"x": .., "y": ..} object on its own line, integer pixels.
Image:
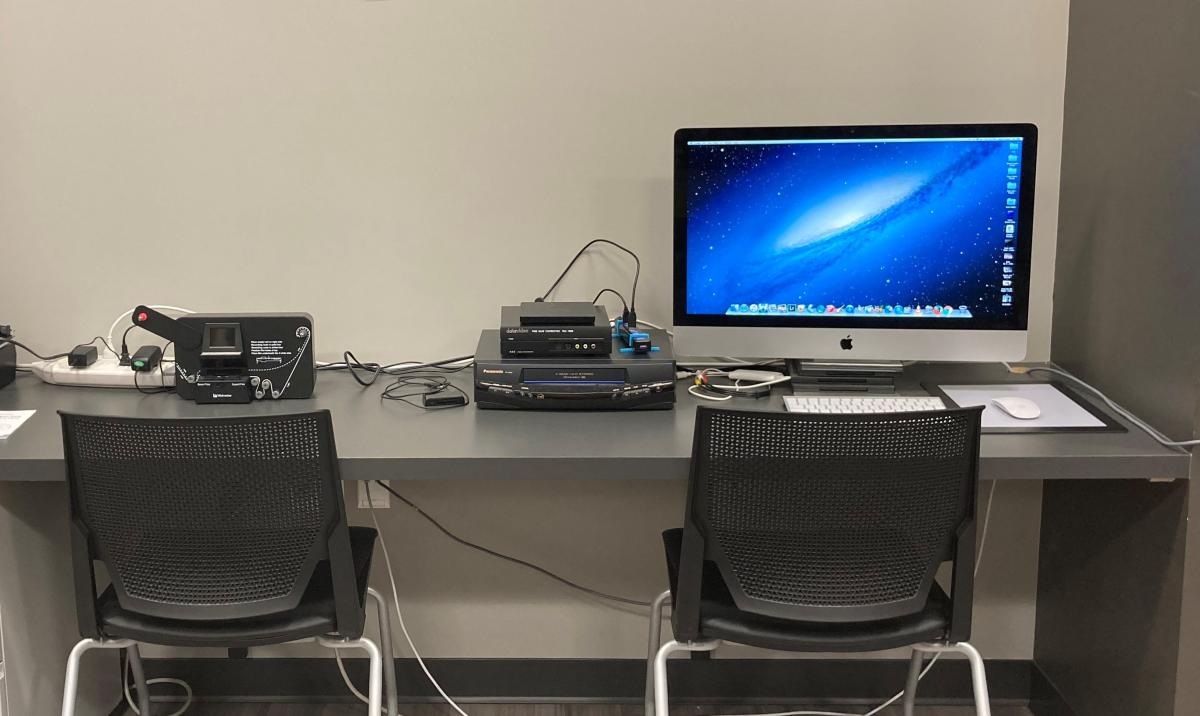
[
  {"x": 832, "y": 518},
  {"x": 214, "y": 518}
]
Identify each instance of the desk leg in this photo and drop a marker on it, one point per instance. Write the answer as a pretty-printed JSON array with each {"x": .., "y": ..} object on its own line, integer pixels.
[{"x": 1109, "y": 594}]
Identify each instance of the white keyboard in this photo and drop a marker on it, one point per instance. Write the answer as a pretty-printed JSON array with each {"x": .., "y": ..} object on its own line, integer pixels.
[{"x": 860, "y": 404}]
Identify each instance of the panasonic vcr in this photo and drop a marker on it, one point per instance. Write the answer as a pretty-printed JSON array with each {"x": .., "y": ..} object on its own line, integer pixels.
[{"x": 622, "y": 380}]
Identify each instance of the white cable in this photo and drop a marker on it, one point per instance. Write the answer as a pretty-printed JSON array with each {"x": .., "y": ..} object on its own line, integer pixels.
[
  {"x": 350, "y": 685},
  {"x": 987, "y": 518},
  {"x": 178, "y": 682},
  {"x": 737, "y": 387},
  {"x": 1154, "y": 433},
  {"x": 128, "y": 313},
  {"x": 983, "y": 532},
  {"x": 396, "y": 603}
]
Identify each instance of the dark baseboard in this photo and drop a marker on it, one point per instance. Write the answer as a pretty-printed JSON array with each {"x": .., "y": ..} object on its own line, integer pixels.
[
  {"x": 1044, "y": 698},
  {"x": 708, "y": 681}
]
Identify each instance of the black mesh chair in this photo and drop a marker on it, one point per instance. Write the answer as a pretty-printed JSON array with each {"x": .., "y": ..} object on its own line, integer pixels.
[
  {"x": 818, "y": 533},
  {"x": 227, "y": 532}
]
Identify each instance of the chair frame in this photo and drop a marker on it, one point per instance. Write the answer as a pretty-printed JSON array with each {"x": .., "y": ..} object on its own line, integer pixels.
[
  {"x": 382, "y": 669},
  {"x": 685, "y": 606},
  {"x": 349, "y": 612}
]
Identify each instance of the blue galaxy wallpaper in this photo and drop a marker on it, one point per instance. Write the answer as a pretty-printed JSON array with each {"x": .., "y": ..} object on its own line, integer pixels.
[{"x": 859, "y": 227}]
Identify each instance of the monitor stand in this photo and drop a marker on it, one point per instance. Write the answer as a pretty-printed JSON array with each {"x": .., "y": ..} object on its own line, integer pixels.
[{"x": 811, "y": 376}]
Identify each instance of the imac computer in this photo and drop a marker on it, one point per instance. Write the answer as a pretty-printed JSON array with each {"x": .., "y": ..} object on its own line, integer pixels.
[{"x": 869, "y": 244}]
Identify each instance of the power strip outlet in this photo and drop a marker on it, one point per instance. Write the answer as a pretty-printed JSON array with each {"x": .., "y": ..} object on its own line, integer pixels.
[
  {"x": 379, "y": 498},
  {"x": 106, "y": 372}
]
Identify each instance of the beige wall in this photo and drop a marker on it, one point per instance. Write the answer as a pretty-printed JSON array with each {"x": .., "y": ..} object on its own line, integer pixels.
[
  {"x": 379, "y": 163},
  {"x": 385, "y": 164},
  {"x": 37, "y": 599}
]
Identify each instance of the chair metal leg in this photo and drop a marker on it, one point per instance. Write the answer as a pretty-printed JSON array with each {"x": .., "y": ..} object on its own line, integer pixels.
[
  {"x": 656, "y": 613},
  {"x": 978, "y": 679},
  {"x": 71, "y": 685},
  {"x": 910, "y": 686},
  {"x": 385, "y": 646},
  {"x": 375, "y": 684},
  {"x": 660, "y": 669},
  {"x": 139, "y": 679},
  {"x": 978, "y": 675}
]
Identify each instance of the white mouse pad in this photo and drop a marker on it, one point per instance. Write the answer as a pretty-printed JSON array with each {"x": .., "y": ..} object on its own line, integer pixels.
[{"x": 1058, "y": 409}]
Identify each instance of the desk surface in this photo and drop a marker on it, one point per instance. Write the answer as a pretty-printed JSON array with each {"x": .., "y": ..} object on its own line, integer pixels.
[{"x": 389, "y": 440}]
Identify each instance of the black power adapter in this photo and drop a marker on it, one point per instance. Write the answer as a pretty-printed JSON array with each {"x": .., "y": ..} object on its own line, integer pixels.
[
  {"x": 146, "y": 359},
  {"x": 443, "y": 400},
  {"x": 82, "y": 355}
]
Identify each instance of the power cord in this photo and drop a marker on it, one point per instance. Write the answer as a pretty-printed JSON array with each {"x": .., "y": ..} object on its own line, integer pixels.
[
  {"x": 421, "y": 384},
  {"x": 630, "y": 314},
  {"x": 507, "y": 558},
  {"x": 396, "y": 596},
  {"x": 624, "y": 305},
  {"x": 705, "y": 389},
  {"x": 1154, "y": 432},
  {"x": 353, "y": 365},
  {"x": 396, "y": 604},
  {"x": 6, "y": 337},
  {"x": 187, "y": 689}
]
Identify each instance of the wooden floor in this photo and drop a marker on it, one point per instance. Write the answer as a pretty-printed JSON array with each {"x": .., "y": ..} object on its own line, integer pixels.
[{"x": 545, "y": 710}]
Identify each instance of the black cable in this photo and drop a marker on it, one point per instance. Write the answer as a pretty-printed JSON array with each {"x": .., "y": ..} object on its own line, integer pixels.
[
  {"x": 153, "y": 391},
  {"x": 505, "y": 557},
  {"x": 104, "y": 341},
  {"x": 56, "y": 356},
  {"x": 31, "y": 351},
  {"x": 419, "y": 384},
  {"x": 613, "y": 292},
  {"x": 162, "y": 379},
  {"x": 124, "y": 356},
  {"x": 352, "y": 364},
  {"x": 637, "y": 272}
]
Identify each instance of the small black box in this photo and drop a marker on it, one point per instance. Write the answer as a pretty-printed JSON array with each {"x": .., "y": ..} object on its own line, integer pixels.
[
  {"x": 8, "y": 363},
  {"x": 82, "y": 355},
  {"x": 575, "y": 337},
  {"x": 561, "y": 313}
]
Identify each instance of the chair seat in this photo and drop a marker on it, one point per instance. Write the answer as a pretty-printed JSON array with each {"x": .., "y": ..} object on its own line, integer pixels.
[
  {"x": 721, "y": 619},
  {"x": 314, "y": 616}
]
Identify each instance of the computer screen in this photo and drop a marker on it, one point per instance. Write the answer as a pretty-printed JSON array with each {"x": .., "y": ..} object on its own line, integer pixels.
[{"x": 899, "y": 227}]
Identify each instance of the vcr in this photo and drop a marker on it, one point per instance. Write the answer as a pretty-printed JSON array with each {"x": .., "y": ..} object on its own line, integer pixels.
[{"x": 618, "y": 381}]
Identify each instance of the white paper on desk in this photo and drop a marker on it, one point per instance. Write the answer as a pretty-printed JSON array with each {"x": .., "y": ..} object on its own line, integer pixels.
[
  {"x": 1058, "y": 409},
  {"x": 10, "y": 420}
]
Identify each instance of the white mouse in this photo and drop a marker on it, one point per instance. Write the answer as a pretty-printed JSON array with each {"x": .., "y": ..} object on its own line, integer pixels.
[{"x": 1019, "y": 408}]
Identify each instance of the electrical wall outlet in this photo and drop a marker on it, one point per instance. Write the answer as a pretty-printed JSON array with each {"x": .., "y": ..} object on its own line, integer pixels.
[{"x": 379, "y": 498}]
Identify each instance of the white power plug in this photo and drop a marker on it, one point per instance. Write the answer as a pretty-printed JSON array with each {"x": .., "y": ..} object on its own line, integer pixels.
[
  {"x": 379, "y": 498},
  {"x": 755, "y": 376}
]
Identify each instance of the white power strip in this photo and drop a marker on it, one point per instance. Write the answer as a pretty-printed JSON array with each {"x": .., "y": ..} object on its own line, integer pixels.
[{"x": 106, "y": 372}]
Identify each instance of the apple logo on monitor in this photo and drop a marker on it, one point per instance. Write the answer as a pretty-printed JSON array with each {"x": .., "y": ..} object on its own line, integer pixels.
[{"x": 847, "y": 343}]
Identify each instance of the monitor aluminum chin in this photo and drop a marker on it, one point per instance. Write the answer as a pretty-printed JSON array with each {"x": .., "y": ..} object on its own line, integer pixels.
[{"x": 865, "y": 344}]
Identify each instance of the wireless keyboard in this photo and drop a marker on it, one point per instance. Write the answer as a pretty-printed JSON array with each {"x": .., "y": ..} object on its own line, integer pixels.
[{"x": 860, "y": 404}]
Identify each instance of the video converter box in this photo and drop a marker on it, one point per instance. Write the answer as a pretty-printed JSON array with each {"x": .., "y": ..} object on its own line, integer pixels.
[{"x": 520, "y": 339}]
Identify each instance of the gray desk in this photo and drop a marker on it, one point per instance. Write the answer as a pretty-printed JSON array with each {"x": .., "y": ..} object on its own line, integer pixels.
[{"x": 387, "y": 440}]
